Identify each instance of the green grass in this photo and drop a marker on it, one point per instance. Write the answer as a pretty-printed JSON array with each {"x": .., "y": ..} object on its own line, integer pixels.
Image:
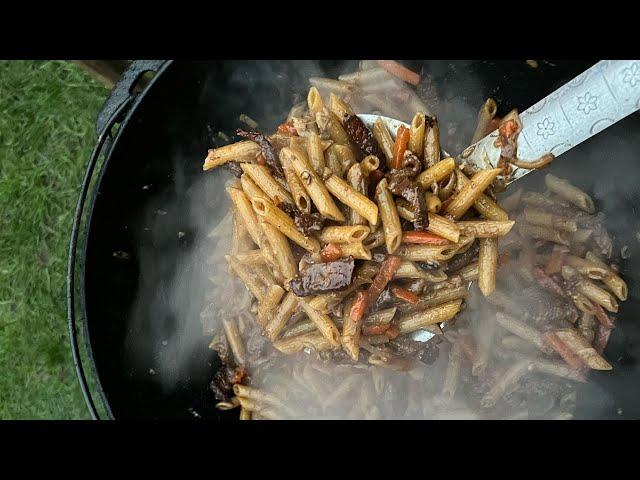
[{"x": 47, "y": 119}]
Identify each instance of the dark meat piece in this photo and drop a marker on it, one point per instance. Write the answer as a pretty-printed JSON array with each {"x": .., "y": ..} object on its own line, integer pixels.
[
  {"x": 411, "y": 163},
  {"x": 323, "y": 277},
  {"x": 385, "y": 300},
  {"x": 267, "y": 149},
  {"x": 401, "y": 184},
  {"x": 305, "y": 222},
  {"x": 224, "y": 380},
  {"x": 545, "y": 310},
  {"x": 464, "y": 259},
  {"x": 426, "y": 352},
  {"x": 363, "y": 138},
  {"x": 234, "y": 168}
]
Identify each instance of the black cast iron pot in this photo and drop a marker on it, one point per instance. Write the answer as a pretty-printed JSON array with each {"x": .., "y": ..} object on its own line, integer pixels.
[{"x": 133, "y": 207}]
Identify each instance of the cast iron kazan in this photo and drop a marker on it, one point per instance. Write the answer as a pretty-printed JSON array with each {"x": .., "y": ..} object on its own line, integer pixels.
[{"x": 156, "y": 155}]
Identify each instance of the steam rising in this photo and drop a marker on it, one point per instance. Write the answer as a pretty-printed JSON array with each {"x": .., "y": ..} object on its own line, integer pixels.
[{"x": 196, "y": 291}]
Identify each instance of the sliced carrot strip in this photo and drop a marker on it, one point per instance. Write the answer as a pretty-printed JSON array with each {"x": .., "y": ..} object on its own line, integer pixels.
[
  {"x": 421, "y": 236},
  {"x": 400, "y": 71},
  {"x": 564, "y": 351},
  {"x": 402, "y": 140},
  {"x": 404, "y": 294}
]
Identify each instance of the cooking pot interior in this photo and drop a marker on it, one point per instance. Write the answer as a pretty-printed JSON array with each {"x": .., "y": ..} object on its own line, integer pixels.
[{"x": 143, "y": 215}]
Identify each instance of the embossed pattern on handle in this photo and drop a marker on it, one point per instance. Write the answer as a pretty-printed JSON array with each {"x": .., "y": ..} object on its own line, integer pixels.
[{"x": 594, "y": 100}]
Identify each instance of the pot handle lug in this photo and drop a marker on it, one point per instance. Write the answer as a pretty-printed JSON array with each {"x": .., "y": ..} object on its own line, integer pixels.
[{"x": 122, "y": 92}]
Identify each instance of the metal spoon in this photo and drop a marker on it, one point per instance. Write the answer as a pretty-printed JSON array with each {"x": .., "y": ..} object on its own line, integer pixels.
[{"x": 594, "y": 100}]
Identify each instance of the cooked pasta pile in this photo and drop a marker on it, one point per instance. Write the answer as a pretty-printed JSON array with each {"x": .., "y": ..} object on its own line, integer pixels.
[{"x": 354, "y": 241}]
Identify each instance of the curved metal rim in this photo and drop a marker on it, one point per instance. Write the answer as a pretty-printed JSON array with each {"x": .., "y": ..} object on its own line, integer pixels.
[{"x": 131, "y": 104}]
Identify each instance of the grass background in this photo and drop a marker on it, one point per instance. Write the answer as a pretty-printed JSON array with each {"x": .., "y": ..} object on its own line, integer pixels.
[{"x": 47, "y": 131}]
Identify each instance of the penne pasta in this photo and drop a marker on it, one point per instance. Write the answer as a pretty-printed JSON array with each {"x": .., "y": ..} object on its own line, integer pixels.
[
  {"x": 535, "y": 216},
  {"x": 569, "y": 192},
  {"x": 416, "y": 134},
  {"x": 446, "y": 191},
  {"x": 323, "y": 322},
  {"x": 314, "y": 186},
  {"x": 483, "y": 205},
  {"x": 583, "y": 349},
  {"x": 331, "y": 85},
  {"x": 243, "y": 151},
  {"x": 355, "y": 249},
  {"x": 358, "y": 180},
  {"x": 543, "y": 233},
  {"x": 590, "y": 289},
  {"x": 485, "y": 228},
  {"x": 299, "y": 194},
  {"x": 315, "y": 153},
  {"x": 426, "y": 253},
  {"x": 452, "y": 374},
  {"x": 592, "y": 270},
  {"x": 282, "y": 314},
  {"x": 389, "y": 215},
  {"x": 437, "y": 172},
  {"x": 487, "y": 265},
  {"x": 351, "y": 197},
  {"x": 246, "y": 213},
  {"x": 485, "y": 115},
  {"x": 314, "y": 341},
  {"x": 369, "y": 164},
  {"x": 339, "y": 107},
  {"x": 469, "y": 193},
  {"x": 250, "y": 257},
  {"x": 433, "y": 202},
  {"x": 314, "y": 101},
  {"x": 331, "y": 126},
  {"x": 344, "y": 158},
  {"x": 269, "y": 303},
  {"x": 522, "y": 330},
  {"x": 235, "y": 340},
  {"x": 250, "y": 280},
  {"x": 263, "y": 179},
  {"x": 384, "y": 139},
  {"x": 419, "y": 319},
  {"x": 485, "y": 339},
  {"x": 611, "y": 279},
  {"x": 408, "y": 269},
  {"x": 282, "y": 253},
  {"x": 344, "y": 234},
  {"x": 271, "y": 214},
  {"x": 250, "y": 188}
]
